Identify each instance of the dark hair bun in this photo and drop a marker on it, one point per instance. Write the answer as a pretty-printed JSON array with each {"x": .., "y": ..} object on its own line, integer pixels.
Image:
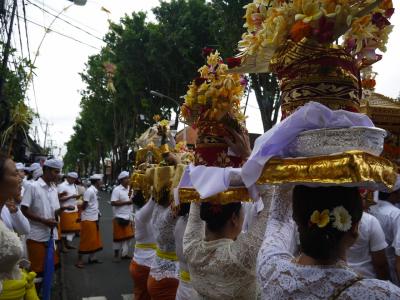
[
  {"x": 217, "y": 215},
  {"x": 138, "y": 199},
  {"x": 323, "y": 243}
]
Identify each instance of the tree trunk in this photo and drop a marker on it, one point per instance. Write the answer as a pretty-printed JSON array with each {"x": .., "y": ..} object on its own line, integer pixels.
[{"x": 266, "y": 89}]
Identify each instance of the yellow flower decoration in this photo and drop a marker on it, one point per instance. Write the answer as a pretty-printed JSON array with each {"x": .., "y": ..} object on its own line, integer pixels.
[
  {"x": 309, "y": 10},
  {"x": 320, "y": 219},
  {"x": 164, "y": 123}
]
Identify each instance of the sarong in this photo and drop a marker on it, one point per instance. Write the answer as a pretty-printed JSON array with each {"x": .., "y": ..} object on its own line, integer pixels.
[
  {"x": 68, "y": 222},
  {"x": 164, "y": 289},
  {"x": 139, "y": 276},
  {"x": 37, "y": 256},
  {"x": 122, "y": 233},
  {"x": 90, "y": 240}
]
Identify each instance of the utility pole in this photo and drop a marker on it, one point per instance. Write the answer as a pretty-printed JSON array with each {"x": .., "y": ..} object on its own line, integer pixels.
[
  {"x": 6, "y": 53},
  {"x": 45, "y": 136}
]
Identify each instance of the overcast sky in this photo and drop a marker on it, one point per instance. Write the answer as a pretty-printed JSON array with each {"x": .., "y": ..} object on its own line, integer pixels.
[{"x": 57, "y": 82}]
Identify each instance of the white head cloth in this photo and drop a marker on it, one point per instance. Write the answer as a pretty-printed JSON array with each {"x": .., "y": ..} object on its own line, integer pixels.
[
  {"x": 96, "y": 177},
  {"x": 123, "y": 175},
  {"x": 20, "y": 166},
  {"x": 73, "y": 175},
  {"x": 34, "y": 167},
  {"x": 54, "y": 163},
  {"x": 37, "y": 173}
]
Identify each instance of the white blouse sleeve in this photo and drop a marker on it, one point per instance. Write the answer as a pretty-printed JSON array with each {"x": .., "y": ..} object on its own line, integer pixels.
[
  {"x": 195, "y": 230},
  {"x": 247, "y": 245},
  {"x": 280, "y": 238},
  {"x": 144, "y": 214},
  {"x": 20, "y": 223}
]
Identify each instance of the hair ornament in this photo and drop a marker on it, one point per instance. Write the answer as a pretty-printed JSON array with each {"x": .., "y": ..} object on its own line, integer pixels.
[{"x": 339, "y": 216}]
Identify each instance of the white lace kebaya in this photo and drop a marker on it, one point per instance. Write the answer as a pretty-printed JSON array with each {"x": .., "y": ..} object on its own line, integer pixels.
[
  {"x": 163, "y": 222},
  {"x": 224, "y": 268},
  {"x": 280, "y": 277}
]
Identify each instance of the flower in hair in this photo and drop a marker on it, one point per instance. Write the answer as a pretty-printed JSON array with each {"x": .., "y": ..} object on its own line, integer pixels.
[
  {"x": 342, "y": 218},
  {"x": 321, "y": 219}
]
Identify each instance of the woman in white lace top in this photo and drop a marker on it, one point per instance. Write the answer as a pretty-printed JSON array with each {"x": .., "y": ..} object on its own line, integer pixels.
[
  {"x": 163, "y": 279},
  {"x": 327, "y": 219},
  {"x": 221, "y": 259},
  {"x": 10, "y": 245}
]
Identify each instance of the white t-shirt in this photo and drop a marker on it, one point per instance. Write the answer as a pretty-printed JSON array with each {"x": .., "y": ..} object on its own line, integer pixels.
[
  {"x": 42, "y": 200},
  {"x": 71, "y": 190},
  {"x": 120, "y": 193},
  {"x": 91, "y": 213},
  {"x": 371, "y": 239},
  {"x": 389, "y": 217}
]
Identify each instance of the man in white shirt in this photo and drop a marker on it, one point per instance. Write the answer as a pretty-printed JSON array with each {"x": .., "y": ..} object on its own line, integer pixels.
[
  {"x": 367, "y": 255},
  {"x": 69, "y": 218},
  {"x": 388, "y": 216},
  {"x": 122, "y": 222},
  {"x": 41, "y": 206},
  {"x": 90, "y": 241}
]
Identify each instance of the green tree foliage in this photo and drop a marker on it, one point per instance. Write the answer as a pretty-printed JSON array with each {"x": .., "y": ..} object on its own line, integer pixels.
[{"x": 163, "y": 56}]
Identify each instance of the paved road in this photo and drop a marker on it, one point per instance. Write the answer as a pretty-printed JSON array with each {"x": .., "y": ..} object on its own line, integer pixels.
[{"x": 109, "y": 280}]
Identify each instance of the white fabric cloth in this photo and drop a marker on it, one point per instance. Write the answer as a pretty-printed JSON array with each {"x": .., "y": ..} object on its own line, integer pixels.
[
  {"x": 121, "y": 193},
  {"x": 16, "y": 222},
  {"x": 163, "y": 222},
  {"x": 37, "y": 173},
  {"x": 73, "y": 175},
  {"x": 70, "y": 190},
  {"x": 282, "y": 278},
  {"x": 20, "y": 166},
  {"x": 223, "y": 269},
  {"x": 91, "y": 213},
  {"x": 34, "y": 167},
  {"x": 10, "y": 254},
  {"x": 144, "y": 235},
  {"x": 123, "y": 175},
  {"x": 185, "y": 290},
  {"x": 54, "y": 163},
  {"x": 389, "y": 217},
  {"x": 123, "y": 246},
  {"x": 42, "y": 200},
  {"x": 370, "y": 239},
  {"x": 96, "y": 177}
]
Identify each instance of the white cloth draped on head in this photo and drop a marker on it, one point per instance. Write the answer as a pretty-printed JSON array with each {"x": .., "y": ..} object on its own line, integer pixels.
[
  {"x": 54, "y": 163},
  {"x": 96, "y": 177},
  {"x": 123, "y": 175},
  {"x": 20, "y": 166},
  {"x": 73, "y": 175},
  {"x": 34, "y": 167}
]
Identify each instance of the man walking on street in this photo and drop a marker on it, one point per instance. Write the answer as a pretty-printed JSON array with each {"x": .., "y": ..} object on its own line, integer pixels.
[
  {"x": 90, "y": 241},
  {"x": 122, "y": 221},
  {"x": 68, "y": 220}
]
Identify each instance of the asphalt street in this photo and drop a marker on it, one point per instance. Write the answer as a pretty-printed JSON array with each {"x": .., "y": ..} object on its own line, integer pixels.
[{"x": 108, "y": 280}]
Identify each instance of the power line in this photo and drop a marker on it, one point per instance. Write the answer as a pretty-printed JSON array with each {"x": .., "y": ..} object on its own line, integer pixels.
[
  {"x": 19, "y": 33},
  {"x": 69, "y": 23},
  {"x": 68, "y": 17},
  {"x": 62, "y": 34},
  {"x": 26, "y": 31}
]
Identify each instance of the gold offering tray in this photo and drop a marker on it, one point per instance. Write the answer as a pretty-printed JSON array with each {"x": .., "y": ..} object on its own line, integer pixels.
[
  {"x": 237, "y": 194},
  {"x": 351, "y": 168}
]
